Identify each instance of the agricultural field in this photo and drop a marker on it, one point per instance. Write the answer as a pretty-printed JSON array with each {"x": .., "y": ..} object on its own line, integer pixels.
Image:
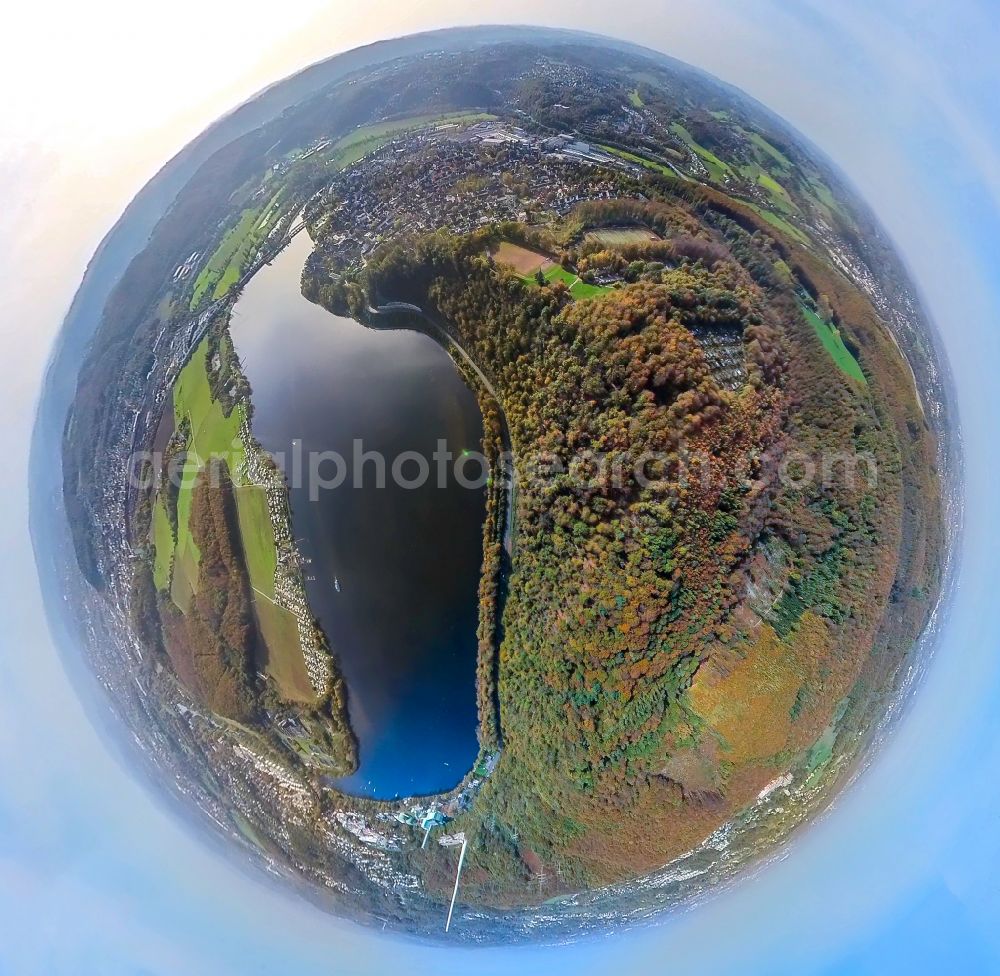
[
  {"x": 279, "y": 629},
  {"x": 779, "y": 222},
  {"x": 240, "y": 243},
  {"x": 718, "y": 171},
  {"x": 768, "y": 150},
  {"x": 163, "y": 542},
  {"x": 213, "y": 434},
  {"x": 613, "y": 237},
  {"x": 635, "y": 98},
  {"x": 523, "y": 260},
  {"x": 779, "y": 197}
]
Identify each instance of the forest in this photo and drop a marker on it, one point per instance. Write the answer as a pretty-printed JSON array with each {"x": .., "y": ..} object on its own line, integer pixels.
[
  {"x": 646, "y": 689},
  {"x": 211, "y": 646}
]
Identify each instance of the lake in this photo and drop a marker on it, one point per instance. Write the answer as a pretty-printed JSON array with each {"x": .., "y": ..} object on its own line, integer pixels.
[{"x": 406, "y": 560}]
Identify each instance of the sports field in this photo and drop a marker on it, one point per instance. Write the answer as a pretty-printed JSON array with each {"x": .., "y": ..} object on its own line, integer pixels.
[
  {"x": 521, "y": 259},
  {"x": 623, "y": 236}
]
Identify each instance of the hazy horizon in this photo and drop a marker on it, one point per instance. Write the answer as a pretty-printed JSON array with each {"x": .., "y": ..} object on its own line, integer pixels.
[{"x": 98, "y": 876}]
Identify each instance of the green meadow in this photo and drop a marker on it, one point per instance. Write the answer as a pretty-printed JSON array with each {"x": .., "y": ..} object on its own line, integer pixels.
[
  {"x": 833, "y": 342},
  {"x": 229, "y": 260},
  {"x": 577, "y": 288},
  {"x": 163, "y": 543},
  {"x": 717, "y": 169}
]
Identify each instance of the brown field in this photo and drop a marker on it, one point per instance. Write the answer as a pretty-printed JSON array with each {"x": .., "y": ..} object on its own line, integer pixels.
[
  {"x": 522, "y": 260},
  {"x": 621, "y": 236},
  {"x": 284, "y": 656},
  {"x": 183, "y": 585}
]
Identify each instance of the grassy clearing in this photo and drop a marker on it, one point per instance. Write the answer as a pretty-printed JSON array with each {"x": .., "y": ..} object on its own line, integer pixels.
[
  {"x": 635, "y": 98},
  {"x": 750, "y": 707},
  {"x": 523, "y": 260},
  {"x": 558, "y": 273},
  {"x": 821, "y": 751},
  {"x": 527, "y": 263},
  {"x": 623, "y": 236},
  {"x": 577, "y": 288},
  {"x": 582, "y": 290},
  {"x": 784, "y": 271},
  {"x": 833, "y": 342},
  {"x": 768, "y": 150},
  {"x": 163, "y": 543},
  {"x": 776, "y": 220},
  {"x": 717, "y": 169}
]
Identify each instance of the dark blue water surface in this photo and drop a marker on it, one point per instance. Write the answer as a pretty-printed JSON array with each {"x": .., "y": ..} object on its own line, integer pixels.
[{"x": 403, "y": 624}]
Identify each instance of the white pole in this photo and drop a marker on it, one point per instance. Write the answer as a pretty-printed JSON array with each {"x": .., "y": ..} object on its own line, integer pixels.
[{"x": 458, "y": 873}]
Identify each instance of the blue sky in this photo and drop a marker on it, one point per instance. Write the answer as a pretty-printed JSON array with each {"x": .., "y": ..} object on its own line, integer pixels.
[{"x": 97, "y": 877}]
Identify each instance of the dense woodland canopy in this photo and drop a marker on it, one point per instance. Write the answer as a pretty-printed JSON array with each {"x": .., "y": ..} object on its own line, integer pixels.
[{"x": 666, "y": 648}]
